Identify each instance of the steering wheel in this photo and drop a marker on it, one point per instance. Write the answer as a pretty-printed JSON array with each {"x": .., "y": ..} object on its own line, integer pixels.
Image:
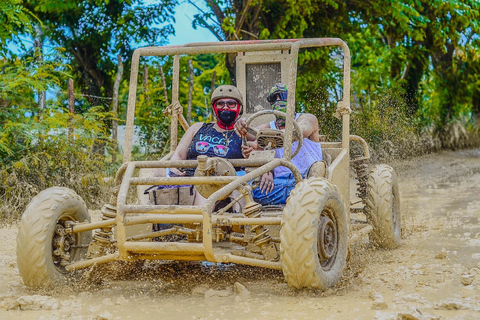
[{"x": 273, "y": 138}]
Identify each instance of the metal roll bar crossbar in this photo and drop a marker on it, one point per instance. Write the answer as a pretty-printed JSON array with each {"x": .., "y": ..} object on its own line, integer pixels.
[
  {"x": 131, "y": 214},
  {"x": 293, "y": 45}
]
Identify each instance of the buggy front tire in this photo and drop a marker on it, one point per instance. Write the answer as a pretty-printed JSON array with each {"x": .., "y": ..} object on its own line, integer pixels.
[
  {"x": 43, "y": 246},
  {"x": 314, "y": 235},
  {"x": 383, "y": 207}
]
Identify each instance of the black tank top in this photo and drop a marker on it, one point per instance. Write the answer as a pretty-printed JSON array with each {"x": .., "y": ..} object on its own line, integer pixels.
[{"x": 208, "y": 141}]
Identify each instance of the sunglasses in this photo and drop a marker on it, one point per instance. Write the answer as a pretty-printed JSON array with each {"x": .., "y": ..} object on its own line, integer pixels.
[
  {"x": 219, "y": 150},
  {"x": 231, "y": 104},
  {"x": 281, "y": 95}
]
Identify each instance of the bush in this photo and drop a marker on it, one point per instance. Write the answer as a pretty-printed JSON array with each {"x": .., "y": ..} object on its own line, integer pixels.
[
  {"x": 52, "y": 163},
  {"x": 38, "y": 153}
]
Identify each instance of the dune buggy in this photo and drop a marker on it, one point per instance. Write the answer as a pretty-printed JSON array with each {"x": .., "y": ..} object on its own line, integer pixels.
[{"x": 307, "y": 239}]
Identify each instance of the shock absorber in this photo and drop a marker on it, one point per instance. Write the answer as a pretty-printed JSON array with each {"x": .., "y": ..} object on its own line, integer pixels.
[
  {"x": 259, "y": 233},
  {"x": 102, "y": 239},
  {"x": 360, "y": 165},
  {"x": 104, "y": 235}
]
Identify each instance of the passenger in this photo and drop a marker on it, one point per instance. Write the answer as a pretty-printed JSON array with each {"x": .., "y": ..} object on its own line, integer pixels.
[{"x": 275, "y": 187}]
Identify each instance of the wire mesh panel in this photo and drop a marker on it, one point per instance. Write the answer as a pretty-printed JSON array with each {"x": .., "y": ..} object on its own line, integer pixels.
[{"x": 260, "y": 77}]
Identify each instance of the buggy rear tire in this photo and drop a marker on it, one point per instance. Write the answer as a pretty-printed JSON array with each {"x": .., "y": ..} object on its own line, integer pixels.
[
  {"x": 383, "y": 207},
  {"x": 43, "y": 247},
  {"x": 314, "y": 235}
]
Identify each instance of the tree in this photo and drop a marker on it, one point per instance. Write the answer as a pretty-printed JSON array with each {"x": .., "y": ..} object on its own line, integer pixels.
[
  {"x": 14, "y": 20},
  {"x": 150, "y": 113},
  {"x": 452, "y": 42},
  {"x": 425, "y": 52},
  {"x": 432, "y": 39},
  {"x": 392, "y": 43},
  {"x": 93, "y": 32}
]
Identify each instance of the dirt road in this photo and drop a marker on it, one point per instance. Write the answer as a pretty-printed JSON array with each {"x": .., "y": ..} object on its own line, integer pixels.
[{"x": 435, "y": 274}]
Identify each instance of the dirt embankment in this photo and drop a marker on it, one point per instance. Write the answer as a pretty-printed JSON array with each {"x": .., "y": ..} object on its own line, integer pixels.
[{"x": 435, "y": 274}]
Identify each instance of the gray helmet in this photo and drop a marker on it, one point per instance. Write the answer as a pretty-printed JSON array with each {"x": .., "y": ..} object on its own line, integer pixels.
[{"x": 227, "y": 91}]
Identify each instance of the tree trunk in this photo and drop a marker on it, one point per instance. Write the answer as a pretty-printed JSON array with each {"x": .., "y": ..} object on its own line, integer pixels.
[
  {"x": 212, "y": 85},
  {"x": 212, "y": 88},
  {"x": 414, "y": 78},
  {"x": 116, "y": 87},
  {"x": 3, "y": 111},
  {"x": 71, "y": 107},
  {"x": 145, "y": 82},
  {"x": 231, "y": 64},
  {"x": 93, "y": 78},
  {"x": 38, "y": 44},
  {"x": 164, "y": 85}
]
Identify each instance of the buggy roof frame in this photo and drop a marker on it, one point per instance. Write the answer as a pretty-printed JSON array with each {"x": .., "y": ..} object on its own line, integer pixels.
[{"x": 293, "y": 45}]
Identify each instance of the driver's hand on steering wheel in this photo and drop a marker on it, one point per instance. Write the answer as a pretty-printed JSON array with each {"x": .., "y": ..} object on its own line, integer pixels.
[
  {"x": 267, "y": 183},
  {"x": 241, "y": 127}
]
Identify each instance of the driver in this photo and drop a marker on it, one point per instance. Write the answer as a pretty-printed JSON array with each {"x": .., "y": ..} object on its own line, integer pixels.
[
  {"x": 213, "y": 139},
  {"x": 275, "y": 187},
  {"x": 216, "y": 139}
]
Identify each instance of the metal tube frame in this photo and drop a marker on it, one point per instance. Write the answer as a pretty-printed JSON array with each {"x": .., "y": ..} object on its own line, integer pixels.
[
  {"x": 136, "y": 214},
  {"x": 294, "y": 45}
]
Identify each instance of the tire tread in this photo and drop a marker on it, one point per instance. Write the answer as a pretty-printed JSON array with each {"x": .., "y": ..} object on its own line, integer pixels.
[{"x": 298, "y": 235}]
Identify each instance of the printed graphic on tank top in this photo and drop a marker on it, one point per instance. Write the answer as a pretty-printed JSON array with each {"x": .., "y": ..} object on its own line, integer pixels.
[{"x": 211, "y": 143}]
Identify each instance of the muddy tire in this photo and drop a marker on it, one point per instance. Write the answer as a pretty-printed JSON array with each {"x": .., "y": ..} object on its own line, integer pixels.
[
  {"x": 314, "y": 235},
  {"x": 383, "y": 207},
  {"x": 43, "y": 248}
]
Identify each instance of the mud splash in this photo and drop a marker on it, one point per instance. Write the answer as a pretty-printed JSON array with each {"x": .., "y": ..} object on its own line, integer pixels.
[{"x": 435, "y": 274}]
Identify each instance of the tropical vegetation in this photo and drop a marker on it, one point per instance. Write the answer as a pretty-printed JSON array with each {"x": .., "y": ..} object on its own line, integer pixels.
[{"x": 415, "y": 78}]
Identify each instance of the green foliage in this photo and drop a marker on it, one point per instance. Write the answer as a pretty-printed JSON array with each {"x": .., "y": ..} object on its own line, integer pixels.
[
  {"x": 384, "y": 119},
  {"x": 35, "y": 150},
  {"x": 319, "y": 91},
  {"x": 150, "y": 108},
  {"x": 21, "y": 78},
  {"x": 41, "y": 154},
  {"x": 14, "y": 20},
  {"x": 424, "y": 41},
  {"x": 429, "y": 48},
  {"x": 93, "y": 33},
  {"x": 19, "y": 82}
]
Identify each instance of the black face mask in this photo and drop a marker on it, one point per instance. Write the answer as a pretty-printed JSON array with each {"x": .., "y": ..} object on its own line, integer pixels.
[{"x": 227, "y": 117}]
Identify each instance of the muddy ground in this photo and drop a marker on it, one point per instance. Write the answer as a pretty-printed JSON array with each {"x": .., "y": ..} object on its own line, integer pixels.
[{"x": 435, "y": 274}]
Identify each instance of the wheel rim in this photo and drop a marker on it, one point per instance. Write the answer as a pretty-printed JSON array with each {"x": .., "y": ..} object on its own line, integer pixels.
[
  {"x": 63, "y": 244},
  {"x": 327, "y": 239}
]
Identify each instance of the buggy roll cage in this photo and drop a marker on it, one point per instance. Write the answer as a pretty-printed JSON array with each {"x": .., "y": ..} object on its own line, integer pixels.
[
  {"x": 293, "y": 45},
  {"x": 131, "y": 214}
]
